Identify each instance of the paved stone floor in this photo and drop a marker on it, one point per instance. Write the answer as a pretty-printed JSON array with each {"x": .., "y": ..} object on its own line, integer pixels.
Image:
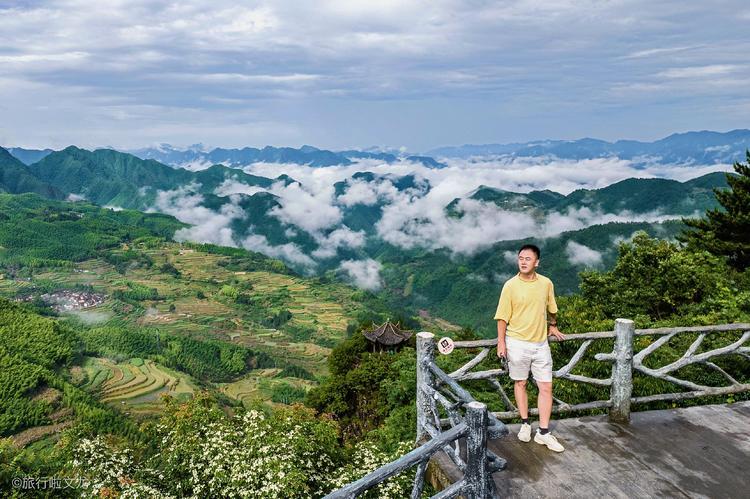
[{"x": 694, "y": 452}]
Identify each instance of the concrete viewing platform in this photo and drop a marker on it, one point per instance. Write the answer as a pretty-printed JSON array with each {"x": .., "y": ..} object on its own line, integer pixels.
[{"x": 699, "y": 451}]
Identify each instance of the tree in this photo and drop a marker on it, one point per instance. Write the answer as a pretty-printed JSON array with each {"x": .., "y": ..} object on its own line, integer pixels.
[
  {"x": 726, "y": 232},
  {"x": 655, "y": 278}
]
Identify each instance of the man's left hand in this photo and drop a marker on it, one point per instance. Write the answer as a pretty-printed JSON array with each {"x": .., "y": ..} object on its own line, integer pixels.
[{"x": 555, "y": 333}]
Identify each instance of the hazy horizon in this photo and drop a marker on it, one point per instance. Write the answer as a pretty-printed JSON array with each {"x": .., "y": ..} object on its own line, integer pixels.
[{"x": 385, "y": 147}]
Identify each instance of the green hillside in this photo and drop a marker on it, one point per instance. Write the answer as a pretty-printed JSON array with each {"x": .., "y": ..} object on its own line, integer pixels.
[
  {"x": 636, "y": 195},
  {"x": 15, "y": 178},
  {"x": 111, "y": 315},
  {"x": 643, "y": 195},
  {"x": 116, "y": 277},
  {"x": 34, "y": 229},
  {"x": 108, "y": 177},
  {"x": 35, "y": 383},
  {"x": 464, "y": 290}
]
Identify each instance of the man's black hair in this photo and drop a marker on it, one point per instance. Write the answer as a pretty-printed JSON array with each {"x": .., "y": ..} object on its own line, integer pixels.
[{"x": 532, "y": 247}]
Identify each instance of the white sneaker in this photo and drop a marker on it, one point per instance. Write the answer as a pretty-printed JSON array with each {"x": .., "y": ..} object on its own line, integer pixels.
[
  {"x": 524, "y": 434},
  {"x": 549, "y": 440}
]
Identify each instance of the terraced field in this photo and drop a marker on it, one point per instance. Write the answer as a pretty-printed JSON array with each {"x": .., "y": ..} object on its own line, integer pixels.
[
  {"x": 191, "y": 303},
  {"x": 137, "y": 383},
  {"x": 194, "y": 265},
  {"x": 259, "y": 386},
  {"x": 307, "y": 308}
]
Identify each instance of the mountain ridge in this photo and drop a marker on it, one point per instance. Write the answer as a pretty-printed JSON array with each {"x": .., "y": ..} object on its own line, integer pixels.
[
  {"x": 684, "y": 148},
  {"x": 693, "y": 147}
]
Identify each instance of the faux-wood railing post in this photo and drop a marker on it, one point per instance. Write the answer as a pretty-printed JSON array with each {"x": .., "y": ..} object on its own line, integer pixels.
[
  {"x": 622, "y": 371},
  {"x": 476, "y": 476},
  {"x": 425, "y": 355}
]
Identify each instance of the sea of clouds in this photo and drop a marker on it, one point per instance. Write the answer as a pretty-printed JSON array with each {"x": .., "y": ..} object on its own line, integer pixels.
[{"x": 414, "y": 217}]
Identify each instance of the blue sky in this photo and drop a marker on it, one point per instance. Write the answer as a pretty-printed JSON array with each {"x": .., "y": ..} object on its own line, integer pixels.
[{"x": 341, "y": 74}]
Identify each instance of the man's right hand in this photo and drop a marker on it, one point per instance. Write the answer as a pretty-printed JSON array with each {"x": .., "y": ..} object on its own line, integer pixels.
[{"x": 501, "y": 349}]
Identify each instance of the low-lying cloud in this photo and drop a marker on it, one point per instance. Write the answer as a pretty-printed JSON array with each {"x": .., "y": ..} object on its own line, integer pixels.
[
  {"x": 414, "y": 218},
  {"x": 312, "y": 210},
  {"x": 234, "y": 186},
  {"x": 207, "y": 226},
  {"x": 343, "y": 237},
  {"x": 580, "y": 254},
  {"x": 364, "y": 274},
  {"x": 289, "y": 252}
]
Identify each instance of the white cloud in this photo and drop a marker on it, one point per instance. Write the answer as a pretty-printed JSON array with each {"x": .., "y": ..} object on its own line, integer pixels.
[
  {"x": 699, "y": 71},
  {"x": 417, "y": 222},
  {"x": 363, "y": 273},
  {"x": 652, "y": 52},
  {"x": 617, "y": 240},
  {"x": 288, "y": 252},
  {"x": 414, "y": 217},
  {"x": 309, "y": 210},
  {"x": 75, "y": 197},
  {"x": 208, "y": 226},
  {"x": 359, "y": 192},
  {"x": 197, "y": 165},
  {"x": 90, "y": 317},
  {"x": 579, "y": 218},
  {"x": 579, "y": 254},
  {"x": 511, "y": 257},
  {"x": 350, "y": 75},
  {"x": 342, "y": 237},
  {"x": 234, "y": 186}
]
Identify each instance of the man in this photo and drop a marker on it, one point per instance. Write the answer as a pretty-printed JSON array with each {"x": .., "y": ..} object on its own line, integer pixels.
[{"x": 527, "y": 305}]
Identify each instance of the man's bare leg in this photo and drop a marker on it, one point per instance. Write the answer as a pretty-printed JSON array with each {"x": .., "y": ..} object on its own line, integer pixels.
[
  {"x": 544, "y": 403},
  {"x": 544, "y": 436},
  {"x": 522, "y": 401}
]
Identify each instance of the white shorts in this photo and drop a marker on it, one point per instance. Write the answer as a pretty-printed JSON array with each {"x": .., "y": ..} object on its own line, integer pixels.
[{"x": 525, "y": 356}]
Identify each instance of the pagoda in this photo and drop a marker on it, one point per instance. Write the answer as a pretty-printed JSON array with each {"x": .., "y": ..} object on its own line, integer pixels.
[{"x": 387, "y": 336}]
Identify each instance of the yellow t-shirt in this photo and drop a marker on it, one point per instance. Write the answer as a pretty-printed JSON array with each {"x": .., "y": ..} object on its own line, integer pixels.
[{"x": 524, "y": 305}]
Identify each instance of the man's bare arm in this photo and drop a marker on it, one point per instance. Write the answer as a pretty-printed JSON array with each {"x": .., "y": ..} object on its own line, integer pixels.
[
  {"x": 553, "y": 331},
  {"x": 502, "y": 326}
]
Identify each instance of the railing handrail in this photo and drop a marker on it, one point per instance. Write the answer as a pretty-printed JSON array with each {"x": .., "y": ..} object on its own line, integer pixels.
[
  {"x": 473, "y": 429},
  {"x": 597, "y": 335},
  {"x": 395, "y": 467},
  {"x": 625, "y": 363}
]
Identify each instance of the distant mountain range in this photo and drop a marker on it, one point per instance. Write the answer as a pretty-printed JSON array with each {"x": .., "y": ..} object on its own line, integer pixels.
[
  {"x": 277, "y": 217},
  {"x": 195, "y": 157},
  {"x": 691, "y": 148},
  {"x": 634, "y": 195},
  {"x": 111, "y": 178}
]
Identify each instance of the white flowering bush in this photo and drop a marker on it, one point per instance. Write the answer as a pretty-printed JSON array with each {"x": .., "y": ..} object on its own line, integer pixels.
[
  {"x": 367, "y": 458},
  {"x": 200, "y": 452},
  {"x": 103, "y": 467},
  {"x": 289, "y": 454}
]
